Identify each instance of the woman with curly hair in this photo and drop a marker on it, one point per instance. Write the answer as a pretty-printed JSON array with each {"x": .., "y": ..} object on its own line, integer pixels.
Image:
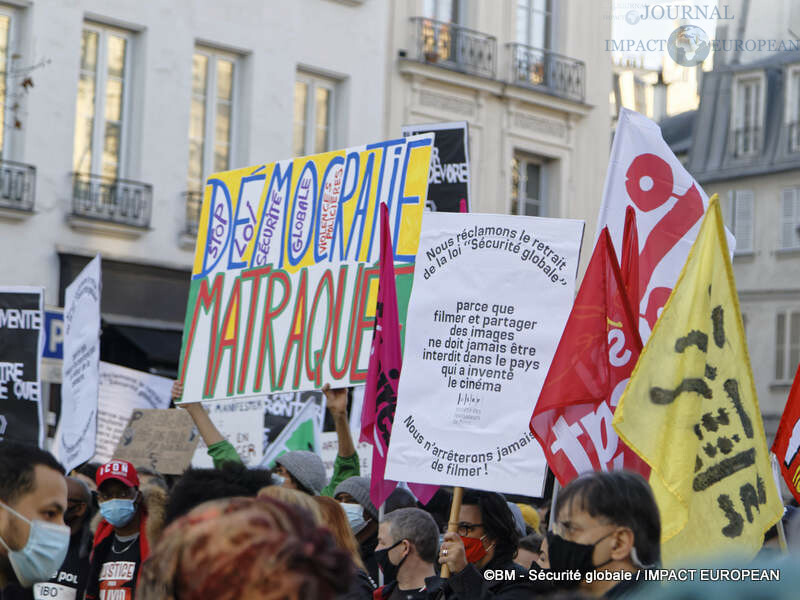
[{"x": 245, "y": 548}]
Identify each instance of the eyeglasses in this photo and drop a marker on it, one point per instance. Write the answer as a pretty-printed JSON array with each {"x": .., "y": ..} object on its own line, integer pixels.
[{"x": 465, "y": 528}]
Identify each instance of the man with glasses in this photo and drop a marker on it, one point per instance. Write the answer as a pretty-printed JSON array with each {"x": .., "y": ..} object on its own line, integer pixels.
[
  {"x": 485, "y": 544},
  {"x": 607, "y": 528},
  {"x": 120, "y": 543}
]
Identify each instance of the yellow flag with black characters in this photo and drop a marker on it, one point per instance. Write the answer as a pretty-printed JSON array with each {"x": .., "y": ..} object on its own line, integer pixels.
[{"x": 690, "y": 411}]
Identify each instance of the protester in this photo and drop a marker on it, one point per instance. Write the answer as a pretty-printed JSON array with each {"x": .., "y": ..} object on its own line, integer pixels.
[
  {"x": 486, "y": 540},
  {"x": 86, "y": 473},
  {"x": 299, "y": 469},
  {"x": 196, "y": 486},
  {"x": 529, "y": 550},
  {"x": 33, "y": 537},
  {"x": 70, "y": 580},
  {"x": 519, "y": 522},
  {"x": 399, "y": 498},
  {"x": 606, "y": 522},
  {"x": 406, "y": 553},
  {"x": 148, "y": 477},
  {"x": 334, "y": 518},
  {"x": 295, "y": 498},
  {"x": 353, "y": 494},
  {"x": 531, "y": 517},
  {"x": 245, "y": 549},
  {"x": 123, "y": 537}
]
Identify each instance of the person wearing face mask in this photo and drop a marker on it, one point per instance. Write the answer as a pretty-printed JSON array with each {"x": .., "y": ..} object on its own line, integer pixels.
[
  {"x": 70, "y": 580},
  {"x": 608, "y": 522},
  {"x": 406, "y": 552},
  {"x": 353, "y": 494},
  {"x": 487, "y": 539},
  {"x": 121, "y": 542},
  {"x": 33, "y": 537}
]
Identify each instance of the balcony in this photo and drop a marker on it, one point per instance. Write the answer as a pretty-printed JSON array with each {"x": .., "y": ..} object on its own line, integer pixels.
[
  {"x": 746, "y": 141},
  {"x": 454, "y": 47},
  {"x": 118, "y": 202},
  {"x": 17, "y": 188},
  {"x": 194, "y": 203},
  {"x": 794, "y": 136},
  {"x": 547, "y": 71}
]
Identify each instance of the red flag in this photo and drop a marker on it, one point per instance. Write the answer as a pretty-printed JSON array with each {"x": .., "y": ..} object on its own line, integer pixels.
[
  {"x": 383, "y": 375},
  {"x": 786, "y": 446},
  {"x": 592, "y": 365},
  {"x": 629, "y": 265}
]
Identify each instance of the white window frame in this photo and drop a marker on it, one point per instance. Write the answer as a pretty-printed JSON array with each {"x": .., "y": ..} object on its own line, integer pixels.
[
  {"x": 737, "y": 206},
  {"x": 790, "y": 198},
  {"x": 101, "y": 74},
  {"x": 313, "y": 81},
  {"x": 525, "y": 159},
  {"x": 792, "y": 106},
  {"x": 548, "y": 34},
  {"x": 12, "y": 88},
  {"x": 788, "y": 369},
  {"x": 459, "y": 6},
  {"x": 736, "y": 122},
  {"x": 209, "y": 126}
]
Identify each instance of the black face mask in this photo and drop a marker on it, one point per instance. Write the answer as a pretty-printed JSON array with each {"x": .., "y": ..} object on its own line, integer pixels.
[
  {"x": 388, "y": 568},
  {"x": 572, "y": 556}
]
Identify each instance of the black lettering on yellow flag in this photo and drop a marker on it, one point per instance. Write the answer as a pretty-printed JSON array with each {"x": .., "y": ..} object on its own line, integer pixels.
[{"x": 690, "y": 411}]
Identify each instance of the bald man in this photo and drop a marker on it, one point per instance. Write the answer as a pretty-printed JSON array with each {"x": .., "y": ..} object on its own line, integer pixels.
[{"x": 70, "y": 581}]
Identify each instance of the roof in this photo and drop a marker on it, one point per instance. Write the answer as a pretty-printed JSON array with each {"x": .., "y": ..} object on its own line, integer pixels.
[{"x": 677, "y": 131}]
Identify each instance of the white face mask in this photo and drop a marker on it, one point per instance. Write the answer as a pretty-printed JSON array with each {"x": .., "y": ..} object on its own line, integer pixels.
[
  {"x": 355, "y": 514},
  {"x": 44, "y": 552}
]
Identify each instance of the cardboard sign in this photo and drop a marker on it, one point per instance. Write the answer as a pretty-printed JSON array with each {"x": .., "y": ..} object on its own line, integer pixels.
[
  {"x": 283, "y": 286},
  {"x": 162, "y": 440},
  {"x": 449, "y": 177},
  {"x": 492, "y": 294},
  {"x": 20, "y": 386},
  {"x": 241, "y": 422}
]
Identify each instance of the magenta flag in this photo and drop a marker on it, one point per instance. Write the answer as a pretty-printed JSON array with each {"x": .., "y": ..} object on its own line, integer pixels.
[{"x": 385, "y": 362}]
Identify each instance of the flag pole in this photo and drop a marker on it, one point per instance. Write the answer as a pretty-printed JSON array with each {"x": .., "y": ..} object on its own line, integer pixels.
[
  {"x": 452, "y": 524},
  {"x": 556, "y": 487},
  {"x": 776, "y": 475}
]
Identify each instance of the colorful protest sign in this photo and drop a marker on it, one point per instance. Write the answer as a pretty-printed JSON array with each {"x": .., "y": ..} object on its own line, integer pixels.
[
  {"x": 644, "y": 173},
  {"x": 20, "y": 386},
  {"x": 329, "y": 449},
  {"x": 292, "y": 422},
  {"x": 75, "y": 437},
  {"x": 690, "y": 411},
  {"x": 283, "y": 286},
  {"x": 491, "y": 296},
  {"x": 122, "y": 391},
  {"x": 786, "y": 446},
  {"x": 449, "y": 178},
  {"x": 162, "y": 440}
]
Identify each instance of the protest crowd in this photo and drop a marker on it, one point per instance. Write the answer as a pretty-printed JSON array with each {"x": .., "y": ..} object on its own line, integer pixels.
[{"x": 555, "y": 443}]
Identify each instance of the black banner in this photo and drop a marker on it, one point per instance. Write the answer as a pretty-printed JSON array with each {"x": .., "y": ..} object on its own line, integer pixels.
[
  {"x": 448, "y": 179},
  {"x": 20, "y": 388}
]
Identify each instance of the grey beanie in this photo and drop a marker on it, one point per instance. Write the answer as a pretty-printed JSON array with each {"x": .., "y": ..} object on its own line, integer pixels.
[
  {"x": 358, "y": 488},
  {"x": 519, "y": 522},
  {"x": 306, "y": 467}
]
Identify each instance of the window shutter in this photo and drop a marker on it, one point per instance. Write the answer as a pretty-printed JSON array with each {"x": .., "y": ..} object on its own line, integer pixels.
[
  {"x": 787, "y": 218},
  {"x": 743, "y": 221}
]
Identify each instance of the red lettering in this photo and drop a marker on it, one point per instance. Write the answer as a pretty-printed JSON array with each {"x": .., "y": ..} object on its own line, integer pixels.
[
  {"x": 266, "y": 326},
  {"x": 206, "y": 301},
  {"x": 255, "y": 275},
  {"x": 296, "y": 335}
]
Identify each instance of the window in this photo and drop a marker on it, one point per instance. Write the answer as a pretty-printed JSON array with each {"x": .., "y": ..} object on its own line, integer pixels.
[
  {"x": 533, "y": 23},
  {"x": 738, "y": 214},
  {"x": 747, "y": 116},
  {"x": 790, "y": 219},
  {"x": 313, "y": 114},
  {"x": 101, "y": 108},
  {"x": 6, "y": 89},
  {"x": 443, "y": 10},
  {"x": 787, "y": 345},
  {"x": 527, "y": 187},
  {"x": 211, "y": 114},
  {"x": 793, "y": 108}
]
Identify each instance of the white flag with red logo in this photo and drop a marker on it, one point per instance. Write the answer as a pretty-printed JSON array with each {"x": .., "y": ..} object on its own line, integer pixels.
[{"x": 644, "y": 173}]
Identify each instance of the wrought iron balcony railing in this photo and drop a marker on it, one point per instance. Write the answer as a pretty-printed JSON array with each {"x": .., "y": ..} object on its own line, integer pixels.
[
  {"x": 118, "y": 201},
  {"x": 17, "y": 185},
  {"x": 746, "y": 141},
  {"x": 454, "y": 47},
  {"x": 194, "y": 203},
  {"x": 794, "y": 136},
  {"x": 551, "y": 72}
]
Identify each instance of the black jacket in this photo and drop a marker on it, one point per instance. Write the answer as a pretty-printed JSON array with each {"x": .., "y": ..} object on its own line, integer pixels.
[
  {"x": 433, "y": 585},
  {"x": 361, "y": 587},
  {"x": 471, "y": 584}
]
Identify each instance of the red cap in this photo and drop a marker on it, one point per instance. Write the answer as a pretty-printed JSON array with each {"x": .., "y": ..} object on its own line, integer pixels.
[{"x": 118, "y": 469}]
